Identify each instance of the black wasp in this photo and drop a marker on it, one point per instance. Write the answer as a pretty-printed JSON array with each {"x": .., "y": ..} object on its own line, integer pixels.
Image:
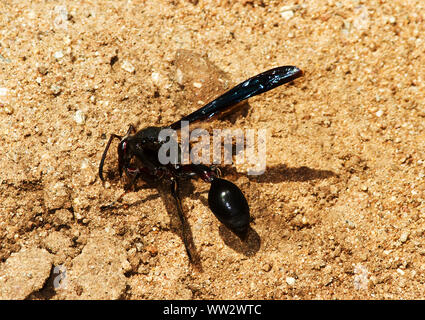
[{"x": 138, "y": 155}]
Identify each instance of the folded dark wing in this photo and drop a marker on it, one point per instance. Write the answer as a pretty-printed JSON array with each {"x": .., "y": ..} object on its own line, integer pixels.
[{"x": 253, "y": 86}]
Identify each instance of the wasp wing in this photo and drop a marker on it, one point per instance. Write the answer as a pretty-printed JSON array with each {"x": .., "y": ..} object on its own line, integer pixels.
[{"x": 258, "y": 84}]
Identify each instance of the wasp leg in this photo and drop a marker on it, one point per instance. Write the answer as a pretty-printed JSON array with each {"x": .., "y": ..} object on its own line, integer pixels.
[{"x": 113, "y": 136}]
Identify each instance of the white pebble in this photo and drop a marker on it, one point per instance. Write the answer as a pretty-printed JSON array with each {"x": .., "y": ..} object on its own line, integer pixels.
[
  {"x": 155, "y": 77},
  {"x": 179, "y": 77},
  {"x": 290, "y": 281},
  {"x": 404, "y": 237},
  {"x": 285, "y": 8},
  {"x": 58, "y": 55},
  {"x": 286, "y": 12},
  {"x": 379, "y": 113},
  {"x": 197, "y": 85},
  {"x": 79, "y": 117},
  {"x": 401, "y": 272},
  {"x": 127, "y": 66},
  {"x": 3, "y": 92},
  {"x": 4, "y": 95}
]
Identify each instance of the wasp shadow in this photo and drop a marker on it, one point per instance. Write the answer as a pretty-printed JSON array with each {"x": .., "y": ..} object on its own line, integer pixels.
[
  {"x": 280, "y": 173},
  {"x": 283, "y": 173},
  {"x": 249, "y": 246},
  {"x": 176, "y": 225},
  {"x": 181, "y": 227}
]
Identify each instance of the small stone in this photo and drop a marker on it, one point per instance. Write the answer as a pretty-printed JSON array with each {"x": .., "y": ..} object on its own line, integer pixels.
[
  {"x": 7, "y": 109},
  {"x": 127, "y": 66},
  {"x": 77, "y": 214},
  {"x": 42, "y": 70},
  {"x": 197, "y": 85},
  {"x": 290, "y": 281},
  {"x": 266, "y": 267},
  {"x": 79, "y": 117},
  {"x": 404, "y": 237},
  {"x": 58, "y": 55},
  {"x": 56, "y": 89},
  {"x": 379, "y": 113},
  {"x": 139, "y": 246},
  {"x": 155, "y": 77},
  {"x": 286, "y": 12},
  {"x": 4, "y": 92},
  {"x": 179, "y": 77}
]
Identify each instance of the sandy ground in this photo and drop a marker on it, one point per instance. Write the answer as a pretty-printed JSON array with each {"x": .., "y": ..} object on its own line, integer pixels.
[{"x": 339, "y": 212}]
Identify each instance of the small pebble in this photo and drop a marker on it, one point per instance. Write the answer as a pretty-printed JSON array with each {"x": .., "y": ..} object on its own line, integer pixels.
[
  {"x": 58, "y": 55},
  {"x": 290, "y": 281},
  {"x": 7, "y": 109},
  {"x": 155, "y": 77},
  {"x": 404, "y": 236},
  {"x": 379, "y": 113},
  {"x": 56, "y": 90},
  {"x": 79, "y": 117},
  {"x": 42, "y": 70},
  {"x": 266, "y": 267},
  {"x": 286, "y": 12},
  {"x": 127, "y": 66},
  {"x": 179, "y": 77},
  {"x": 4, "y": 92},
  {"x": 139, "y": 246}
]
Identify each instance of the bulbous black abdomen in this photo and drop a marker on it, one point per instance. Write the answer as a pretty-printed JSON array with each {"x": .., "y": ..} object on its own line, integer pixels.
[{"x": 229, "y": 205}]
